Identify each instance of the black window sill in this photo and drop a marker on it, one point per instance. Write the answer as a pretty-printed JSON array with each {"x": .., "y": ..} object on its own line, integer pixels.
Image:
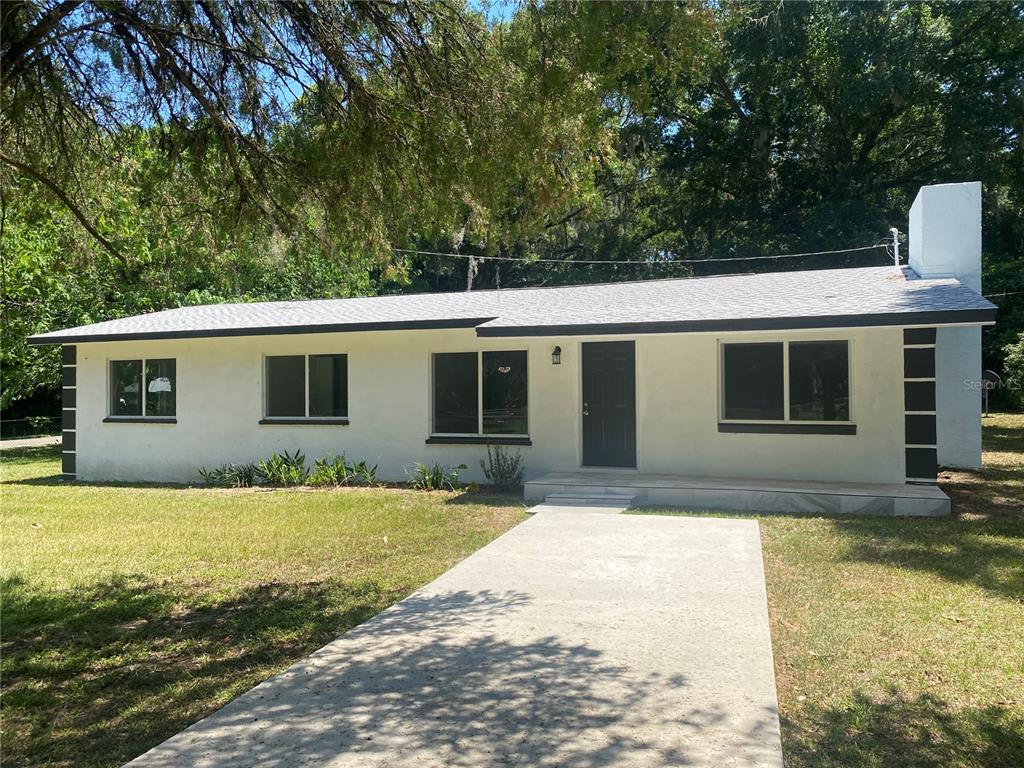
[
  {"x": 140, "y": 420},
  {"x": 306, "y": 422},
  {"x": 477, "y": 440},
  {"x": 790, "y": 428}
]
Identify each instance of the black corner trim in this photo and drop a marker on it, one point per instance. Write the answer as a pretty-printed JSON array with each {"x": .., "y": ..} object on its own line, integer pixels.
[
  {"x": 478, "y": 440},
  {"x": 306, "y": 422},
  {"x": 67, "y": 441},
  {"x": 70, "y": 375},
  {"x": 140, "y": 420},
  {"x": 68, "y": 397},
  {"x": 919, "y": 395},
  {"x": 922, "y": 463},
  {"x": 789, "y": 428},
  {"x": 67, "y": 418},
  {"x": 918, "y": 335},
  {"x": 920, "y": 429},
  {"x": 945, "y": 317},
  {"x": 919, "y": 363},
  {"x": 67, "y": 463},
  {"x": 68, "y": 354}
]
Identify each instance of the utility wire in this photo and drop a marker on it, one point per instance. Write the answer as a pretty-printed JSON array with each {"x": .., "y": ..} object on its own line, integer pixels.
[
  {"x": 1000, "y": 295},
  {"x": 675, "y": 262}
]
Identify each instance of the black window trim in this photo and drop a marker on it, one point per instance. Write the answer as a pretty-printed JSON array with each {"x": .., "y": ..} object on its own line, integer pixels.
[
  {"x": 479, "y": 436},
  {"x": 785, "y": 425},
  {"x": 306, "y": 420},
  {"x": 112, "y": 418}
]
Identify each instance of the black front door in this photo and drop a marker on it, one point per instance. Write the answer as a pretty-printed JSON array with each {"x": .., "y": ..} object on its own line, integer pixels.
[{"x": 609, "y": 404}]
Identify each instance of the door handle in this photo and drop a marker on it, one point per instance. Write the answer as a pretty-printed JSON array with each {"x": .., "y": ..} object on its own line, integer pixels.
[{"x": 586, "y": 413}]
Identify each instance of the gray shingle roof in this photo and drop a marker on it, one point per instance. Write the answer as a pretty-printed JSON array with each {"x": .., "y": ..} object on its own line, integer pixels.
[{"x": 777, "y": 300}]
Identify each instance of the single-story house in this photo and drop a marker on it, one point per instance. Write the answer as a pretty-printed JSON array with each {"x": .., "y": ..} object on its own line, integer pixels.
[{"x": 834, "y": 389}]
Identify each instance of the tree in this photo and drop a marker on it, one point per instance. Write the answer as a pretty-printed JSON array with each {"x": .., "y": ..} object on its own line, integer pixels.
[
  {"x": 1014, "y": 380},
  {"x": 168, "y": 133},
  {"x": 75, "y": 75},
  {"x": 810, "y": 127},
  {"x": 657, "y": 133}
]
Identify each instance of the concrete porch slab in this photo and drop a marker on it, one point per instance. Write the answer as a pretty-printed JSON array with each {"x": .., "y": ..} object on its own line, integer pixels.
[{"x": 732, "y": 494}]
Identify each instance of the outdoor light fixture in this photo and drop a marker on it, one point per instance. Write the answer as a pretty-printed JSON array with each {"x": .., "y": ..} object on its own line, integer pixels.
[{"x": 556, "y": 356}]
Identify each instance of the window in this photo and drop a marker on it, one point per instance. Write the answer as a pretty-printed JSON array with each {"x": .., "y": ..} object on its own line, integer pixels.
[
  {"x": 289, "y": 397},
  {"x": 504, "y": 388},
  {"x": 455, "y": 393},
  {"x": 806, "y": 381},
  {"x": 819, "y": 381},
  {"x": 753, "y": 381},
  {"x": 143, "y": 388},
  {"x": 328, "y": 386},
  {"x": 463, "y": 379}
]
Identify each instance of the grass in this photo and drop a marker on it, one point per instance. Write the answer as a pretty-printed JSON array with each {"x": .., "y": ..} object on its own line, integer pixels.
[
  {"x": 899, "y": 643},
  {"x": 130, "y": 612}
]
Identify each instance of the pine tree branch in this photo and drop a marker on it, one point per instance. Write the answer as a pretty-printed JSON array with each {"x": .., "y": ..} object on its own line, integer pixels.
[{"x": 28, "y": 170}]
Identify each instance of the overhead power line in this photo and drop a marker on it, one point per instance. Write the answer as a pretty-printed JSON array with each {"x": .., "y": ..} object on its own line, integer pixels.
[{"x": 672, "y": 262}]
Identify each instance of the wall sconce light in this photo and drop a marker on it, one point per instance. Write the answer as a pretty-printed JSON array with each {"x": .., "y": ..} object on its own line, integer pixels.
[{"x": 556, "y": 356}]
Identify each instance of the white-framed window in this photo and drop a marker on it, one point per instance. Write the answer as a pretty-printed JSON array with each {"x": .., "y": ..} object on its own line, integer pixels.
[
  {"x": 806, "y": 382},
  {"x": 305, "y": 387},
  {"x": 480, "y": 393},
  {"x": 143, "y": 388}
]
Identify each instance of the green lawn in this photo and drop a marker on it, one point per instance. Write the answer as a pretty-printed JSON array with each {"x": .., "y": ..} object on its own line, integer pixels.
[
  {"x": 899, "y": 643},
  {"x": 131, "y": 612}
]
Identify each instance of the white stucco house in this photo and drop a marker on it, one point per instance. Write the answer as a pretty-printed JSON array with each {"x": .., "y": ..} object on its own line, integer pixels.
[{"x": 828, "y": 390}]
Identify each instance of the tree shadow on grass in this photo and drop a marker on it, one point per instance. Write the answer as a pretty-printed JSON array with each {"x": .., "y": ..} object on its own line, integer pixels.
[
  {"x": 433, "y": 681},
  {"x": 1003, "y": 439},
  {"x": 95, "y": 675},
  {"x": 899, "y": 731},
  {"x": 98, "y": 675},
  {"x": 986, "y": 553},
  {"x": 31, "y": 453}
]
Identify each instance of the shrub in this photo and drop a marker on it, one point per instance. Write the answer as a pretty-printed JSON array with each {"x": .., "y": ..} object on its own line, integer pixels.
[
  {"x": 1014, "y": 369},
  {"x": 231, "y": 476},
  {"x": 328, "y": 471},
  {"x": 434, "y": 477},
  {"x": 504, "y": 470},
  {"x": 363, "y": 474},
  {"x": 337, "y": 471},
  {"x": 283, "y": 469}
]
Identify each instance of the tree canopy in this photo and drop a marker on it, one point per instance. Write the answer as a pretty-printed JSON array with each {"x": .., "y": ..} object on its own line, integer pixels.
[{"x": 165, "y": 153}]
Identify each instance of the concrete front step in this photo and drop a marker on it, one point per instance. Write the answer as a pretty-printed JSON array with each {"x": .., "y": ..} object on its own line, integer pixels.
[{"x": 590, "y": 499}]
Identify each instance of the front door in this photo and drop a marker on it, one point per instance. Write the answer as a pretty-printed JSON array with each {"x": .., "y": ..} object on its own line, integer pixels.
[{"x": 609, "y": 404}]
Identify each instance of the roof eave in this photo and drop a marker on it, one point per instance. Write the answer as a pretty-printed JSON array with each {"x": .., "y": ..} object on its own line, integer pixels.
[
  {"x": 212, "y": 333},
  {"x": 934, "y": 318}
]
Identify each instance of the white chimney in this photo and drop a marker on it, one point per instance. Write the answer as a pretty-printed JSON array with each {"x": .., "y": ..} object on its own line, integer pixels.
[
  {"x": 945, "y": 241},
  {"x": 945, "y": 232}
]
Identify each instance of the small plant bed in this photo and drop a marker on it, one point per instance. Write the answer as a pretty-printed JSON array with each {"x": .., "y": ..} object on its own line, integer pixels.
[
  {"x": 287, "y": 469},
  {"x": 131, "y": 611}
]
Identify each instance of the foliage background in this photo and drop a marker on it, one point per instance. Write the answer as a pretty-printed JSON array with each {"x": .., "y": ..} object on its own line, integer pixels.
[{"x": 652, "y": 132}]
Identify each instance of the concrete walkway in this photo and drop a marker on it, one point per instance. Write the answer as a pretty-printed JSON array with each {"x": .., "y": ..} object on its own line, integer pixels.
[
  {"x": 29, "y": 442},
  {"x": 579, "y": 638}
]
